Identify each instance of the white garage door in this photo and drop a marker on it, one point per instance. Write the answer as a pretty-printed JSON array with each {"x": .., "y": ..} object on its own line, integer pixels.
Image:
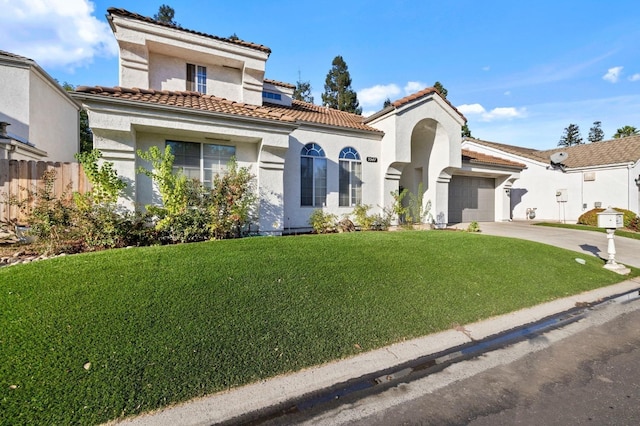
[{"x": 471, "y": 198}]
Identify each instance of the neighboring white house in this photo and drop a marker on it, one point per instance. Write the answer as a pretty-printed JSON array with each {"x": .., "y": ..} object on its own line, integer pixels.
[
  {"x": 38, "y": 118},
  {"x": 598, "y": 174},
  {"x": 207, "y": 97}
]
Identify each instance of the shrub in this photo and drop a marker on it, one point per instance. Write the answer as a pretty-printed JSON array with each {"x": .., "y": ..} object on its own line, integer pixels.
[
  {"x": 100, "y": 222},
  {"x": 323, "y": 223},
  {"x": 232, "y": 202},
  {"x": 50, "y": 219},
  {"x": 362, "y": 219},
  {"x": 590, "y": 217},
  {"x": 473, "y": 227},
  {"x": 398, "y": 209},
  {"x": 173, "y": 187}
]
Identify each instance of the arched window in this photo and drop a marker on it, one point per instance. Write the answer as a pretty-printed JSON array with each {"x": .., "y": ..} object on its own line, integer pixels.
[
  {"x": 313, "y": 176},
  {"x": 350, "y": 184}
]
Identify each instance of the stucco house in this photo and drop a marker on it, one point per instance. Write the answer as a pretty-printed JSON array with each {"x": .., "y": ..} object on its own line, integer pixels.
[
  {"x": 38, "y": 118},
  {"x": 207, "y": 97},
  {"x": 598, "y": 174}
]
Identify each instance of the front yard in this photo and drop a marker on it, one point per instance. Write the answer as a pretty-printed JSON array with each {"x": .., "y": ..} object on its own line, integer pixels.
[{"x": 92, "y": 337}]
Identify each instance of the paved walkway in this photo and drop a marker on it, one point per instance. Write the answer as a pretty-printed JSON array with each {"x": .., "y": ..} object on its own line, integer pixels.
[{"x": 586, "y": 242}]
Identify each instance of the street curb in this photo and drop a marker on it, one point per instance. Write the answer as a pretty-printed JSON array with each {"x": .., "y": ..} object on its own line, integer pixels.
[{"x": 229, "y": 405}]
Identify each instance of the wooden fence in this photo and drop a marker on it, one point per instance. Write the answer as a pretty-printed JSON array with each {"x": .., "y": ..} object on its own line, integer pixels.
[{"x": 20, "y": 178}]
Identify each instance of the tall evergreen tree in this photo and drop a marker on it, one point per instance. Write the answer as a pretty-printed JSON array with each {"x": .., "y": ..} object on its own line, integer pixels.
[
  {"x": 337, "y": 88},
  {"x": 86, "y": 135},
  {"x": 302, "y": 92},
  {"x": 440, "y": 88},
  {"x": 571, "y": 136},
  {"x": 165, "y": 15},
  {"x": 595, "y": 133},
  {"x": 387, "y": 102},
  {"x": 466, "y": 132},
  {"x": 625, "y": 131}
]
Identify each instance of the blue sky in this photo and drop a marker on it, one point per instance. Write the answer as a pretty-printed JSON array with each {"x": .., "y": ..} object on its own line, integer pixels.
[{"x": 520, "y": 71}]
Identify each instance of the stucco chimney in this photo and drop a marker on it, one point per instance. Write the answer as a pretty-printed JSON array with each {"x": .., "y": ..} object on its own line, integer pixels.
[{"x": 3, "y": 129}]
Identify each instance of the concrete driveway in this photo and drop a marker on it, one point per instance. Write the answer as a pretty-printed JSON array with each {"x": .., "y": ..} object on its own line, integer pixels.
[{"x": 585, "y": 242}]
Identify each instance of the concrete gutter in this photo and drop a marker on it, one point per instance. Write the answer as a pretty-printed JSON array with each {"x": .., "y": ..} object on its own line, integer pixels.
[{"x": 271, "y": 396}]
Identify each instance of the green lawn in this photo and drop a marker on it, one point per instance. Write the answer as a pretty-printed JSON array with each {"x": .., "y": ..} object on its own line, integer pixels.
[
  {"x": 160, "y": 325},
  {"x": 619, "y": 232}
]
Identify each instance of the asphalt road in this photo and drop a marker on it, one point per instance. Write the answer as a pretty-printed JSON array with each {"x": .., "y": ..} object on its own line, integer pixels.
[{"x": 584, "y": 373}]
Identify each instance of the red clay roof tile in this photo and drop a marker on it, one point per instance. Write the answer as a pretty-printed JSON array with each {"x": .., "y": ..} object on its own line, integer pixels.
[{"x": 298, "y": 112}]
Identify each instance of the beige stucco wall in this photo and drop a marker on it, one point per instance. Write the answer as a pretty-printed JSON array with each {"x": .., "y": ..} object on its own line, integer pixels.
[
  {"x": 54, "y": 120},
  {"x": 14, "y": 101},
  {"x": 237, "y": 72},
  {"x": 422, "y": 139},
  {"x": 332, "y": 142},
  {"x": 169, "y": 73},
  {"x": 39, "y": 111}
]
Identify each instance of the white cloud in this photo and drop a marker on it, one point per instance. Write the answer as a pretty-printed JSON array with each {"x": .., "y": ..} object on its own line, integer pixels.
[
  {"x": 613, "y": 74},
  {"x": 507, "y": 93},
  {"x": 469, "y": 109},
  {"x": 378, "y": 94},
  {"x": 487, "y": 68},
  {"x": 635, "y": 77},
  {"x": 55, "y": 33},
  {"x": 496, "y": 114},
  {"x": 413, "y": 87}
]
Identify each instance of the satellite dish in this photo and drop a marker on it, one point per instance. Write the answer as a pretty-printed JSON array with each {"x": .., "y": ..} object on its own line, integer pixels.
[{"x": 558, "y": 157}]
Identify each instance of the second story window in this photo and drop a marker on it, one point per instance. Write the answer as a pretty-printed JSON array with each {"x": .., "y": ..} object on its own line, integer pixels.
[
  {"x": 269, "y": 95},
  {"x": 197, "y": 78}
]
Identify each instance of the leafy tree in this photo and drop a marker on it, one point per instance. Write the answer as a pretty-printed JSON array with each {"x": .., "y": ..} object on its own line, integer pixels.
[
  {"x": 387, "y": 102},
  {"x": 571, "y": 136},
  {"x": 440, "y": 88},
  {"x": 165, "y": 15},
  {"x": 337, "y": 88},
  {"x": 625, "y": 131},
  {"x": 302, "y": 92},
  {"x": 595, "y": 133},
  {"x": 466, "y": 133},
  {"x": 86, "y": 135}
]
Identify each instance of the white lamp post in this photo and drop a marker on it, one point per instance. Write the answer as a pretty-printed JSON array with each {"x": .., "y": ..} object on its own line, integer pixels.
[{"x": 611, "y": 220}]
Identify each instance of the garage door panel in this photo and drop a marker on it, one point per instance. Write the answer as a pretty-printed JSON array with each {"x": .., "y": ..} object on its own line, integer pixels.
[{"x": 471, "y": 199}]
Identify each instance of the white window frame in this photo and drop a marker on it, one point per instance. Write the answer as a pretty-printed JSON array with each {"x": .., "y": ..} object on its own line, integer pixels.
[
  {"x": 206, "y": 170},
  {"x": 349, "y": 178},
  {"x": 313, "y": 155}
]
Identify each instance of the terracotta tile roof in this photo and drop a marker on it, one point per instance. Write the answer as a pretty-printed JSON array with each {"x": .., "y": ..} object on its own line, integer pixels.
[
  {"x": 188, "y": 100},
  {"x": 298, "y": 112},
  {"x": 613, "y": 151},
  {"x": 311, "y": 113},
  {"x": 478, "y": 158},
  {"x": 279, "y": 83},
  {"x": 424, "y": 92},
  {"x": 126, "y": 14}
]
